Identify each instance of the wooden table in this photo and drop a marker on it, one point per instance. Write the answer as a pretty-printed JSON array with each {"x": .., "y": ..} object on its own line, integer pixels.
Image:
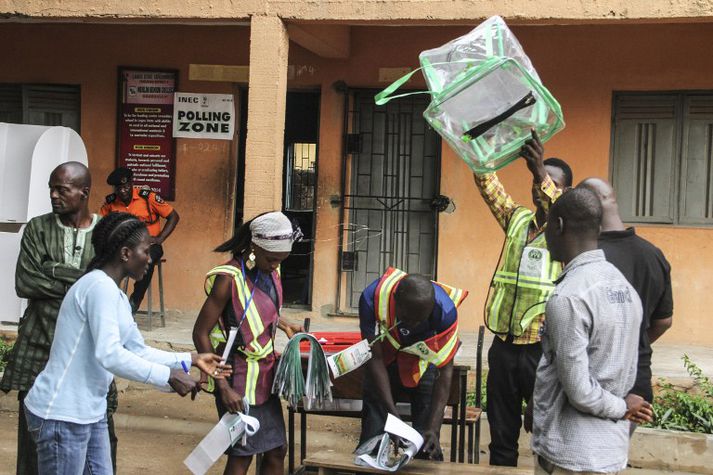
[
  {"x": 349, "y": 387},
  {"x": 330, "y": 462}
]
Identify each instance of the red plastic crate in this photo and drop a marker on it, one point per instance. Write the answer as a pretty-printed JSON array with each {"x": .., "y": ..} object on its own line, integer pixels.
[{"x": 335, "y": 341}]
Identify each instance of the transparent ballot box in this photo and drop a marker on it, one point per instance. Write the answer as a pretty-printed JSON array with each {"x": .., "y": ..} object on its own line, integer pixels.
[{"x": 485, "y": 96}]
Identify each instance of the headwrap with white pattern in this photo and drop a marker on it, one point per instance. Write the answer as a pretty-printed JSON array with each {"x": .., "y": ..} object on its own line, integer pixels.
[{"x": 274, "y": 232}]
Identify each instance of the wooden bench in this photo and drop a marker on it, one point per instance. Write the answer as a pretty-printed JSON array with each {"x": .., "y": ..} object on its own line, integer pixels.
[
  {"x": 331, "y": 463},
  {"x": 458, "y": 415},
  {"x": 349, "y": 388}
]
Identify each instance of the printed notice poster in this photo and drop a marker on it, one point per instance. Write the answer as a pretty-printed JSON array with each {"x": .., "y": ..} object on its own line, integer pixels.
[
  {"x": 203, "y": 116},
  {"x": 146, "y": 143}
]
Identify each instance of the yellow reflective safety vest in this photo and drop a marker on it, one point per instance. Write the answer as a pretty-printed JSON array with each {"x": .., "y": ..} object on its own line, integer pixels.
[
  {"x": 254, "y": 359},
  {"x": 413, "y": 360},
  {"x": 523, "y": 281}
]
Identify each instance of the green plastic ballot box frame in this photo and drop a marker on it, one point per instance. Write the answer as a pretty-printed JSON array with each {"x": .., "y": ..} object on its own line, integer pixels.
[{"x": 485, "y": 97}]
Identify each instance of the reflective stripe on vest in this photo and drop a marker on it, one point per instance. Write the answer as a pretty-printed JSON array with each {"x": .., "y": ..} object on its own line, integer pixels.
[
  {"x": 515, "y": 299},
  {"x": 438, "y": 358},
  {"x": 253, "y": 351},
  {"x": 251, "y": 378},
  {"x": 252, "y": 348},
  {"x": 386, "y": 317},
  {"x": 383, "y": 296}
]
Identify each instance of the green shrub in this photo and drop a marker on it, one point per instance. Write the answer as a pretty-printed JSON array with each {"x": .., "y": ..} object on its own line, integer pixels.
[
  {"x": 470, "y": 397},
  {"x": 685, "y": 411},
  {"x": 4, "y": 353}
]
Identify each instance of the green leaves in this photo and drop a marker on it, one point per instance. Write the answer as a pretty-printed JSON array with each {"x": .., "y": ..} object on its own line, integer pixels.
[
  {"x": 5, "y": 349},
  {"x": 685, "y": 411}
]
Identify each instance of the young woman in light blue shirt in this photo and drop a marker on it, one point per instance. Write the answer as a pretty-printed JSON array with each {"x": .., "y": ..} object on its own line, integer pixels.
[{"x": 97, "y": 338}]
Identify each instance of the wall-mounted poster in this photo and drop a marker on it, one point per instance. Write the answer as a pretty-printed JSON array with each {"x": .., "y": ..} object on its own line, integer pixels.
[{"x": 145, "y": 127}]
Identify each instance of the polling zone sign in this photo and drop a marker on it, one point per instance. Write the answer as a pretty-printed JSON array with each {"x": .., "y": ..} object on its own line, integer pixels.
[{"x": 203, "y": 116}]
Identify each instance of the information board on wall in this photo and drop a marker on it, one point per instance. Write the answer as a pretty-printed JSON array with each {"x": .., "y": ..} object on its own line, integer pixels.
[
  {"x": 145, "y": 125},
  {"x": 203, "y": 116}
]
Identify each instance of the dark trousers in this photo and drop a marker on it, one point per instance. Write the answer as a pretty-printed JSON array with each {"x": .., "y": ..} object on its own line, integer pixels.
[
  {"x": 373, "y": 413},
  {"x": 27, "y": 450},
  {"x": 511, "y": 380},
  {"x": 140, "y": 287}
]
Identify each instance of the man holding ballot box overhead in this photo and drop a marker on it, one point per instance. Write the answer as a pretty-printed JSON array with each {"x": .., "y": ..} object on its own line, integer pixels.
[{"x": 520, "y": 287}]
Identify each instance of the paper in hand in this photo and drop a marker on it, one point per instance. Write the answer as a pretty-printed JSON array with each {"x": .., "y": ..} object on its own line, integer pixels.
[
  {"x": 410, "y": 441},
  {"x": 349, "y": 359},
  {"x": 231, "y": 429},
  {"x": 229, "y": 344}
]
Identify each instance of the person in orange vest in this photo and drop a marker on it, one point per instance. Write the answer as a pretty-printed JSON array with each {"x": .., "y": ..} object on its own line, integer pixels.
[
  {"x": 149, "y": 207},
  {"x": 412, "y": 325}
]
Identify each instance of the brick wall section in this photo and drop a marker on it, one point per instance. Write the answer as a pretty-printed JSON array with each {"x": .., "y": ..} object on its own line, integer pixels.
[{"x": 267, "y": 96}]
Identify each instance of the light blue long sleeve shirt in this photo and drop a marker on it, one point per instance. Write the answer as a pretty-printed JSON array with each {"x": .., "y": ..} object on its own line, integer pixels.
[{"x": 95, "y": 338}]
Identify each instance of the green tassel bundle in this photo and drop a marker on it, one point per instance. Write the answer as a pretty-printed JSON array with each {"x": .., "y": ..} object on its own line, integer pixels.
[{"x": 290, "y": 383}]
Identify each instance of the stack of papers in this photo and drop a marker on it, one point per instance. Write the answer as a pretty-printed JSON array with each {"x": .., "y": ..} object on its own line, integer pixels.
[
  {"x": 391, "y": 451},
  {"x": 289, "y": 382}
]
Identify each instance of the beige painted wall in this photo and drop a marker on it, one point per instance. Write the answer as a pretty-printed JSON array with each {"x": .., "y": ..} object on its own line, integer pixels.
[
  {"x": 88, "y": 55},
  {"x": 421, "y": 11},
  {"x": 581, "y": 65}
]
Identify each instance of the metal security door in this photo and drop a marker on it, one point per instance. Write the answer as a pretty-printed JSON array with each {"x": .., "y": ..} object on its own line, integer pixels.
[{"x": 391, "y": 180}]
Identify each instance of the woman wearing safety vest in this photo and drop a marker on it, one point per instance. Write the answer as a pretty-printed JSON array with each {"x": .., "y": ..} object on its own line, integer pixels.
[{"x": 246, "y": 293}]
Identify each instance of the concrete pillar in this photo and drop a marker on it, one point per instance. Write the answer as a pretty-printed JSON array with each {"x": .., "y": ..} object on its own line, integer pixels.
[{"x": 267, "y": 96}]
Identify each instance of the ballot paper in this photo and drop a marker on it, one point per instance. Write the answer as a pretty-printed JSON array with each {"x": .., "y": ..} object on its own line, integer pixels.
[
  {"x": 378, "y": 452},
  {"x": 231, "y": 429},
  {"x": 229, "y": 344},
  {"x": 290, "y": 383},
  {"x": 349, "y": 359}
]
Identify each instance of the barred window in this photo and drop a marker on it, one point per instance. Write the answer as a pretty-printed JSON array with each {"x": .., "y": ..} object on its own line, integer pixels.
[
  {"x": 40, "y": 104},
  {"x": 662, "y": 157}
]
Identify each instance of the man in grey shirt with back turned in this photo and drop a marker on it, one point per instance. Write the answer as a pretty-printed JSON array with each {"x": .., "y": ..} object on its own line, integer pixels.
[{"x": 590, "y": 347}]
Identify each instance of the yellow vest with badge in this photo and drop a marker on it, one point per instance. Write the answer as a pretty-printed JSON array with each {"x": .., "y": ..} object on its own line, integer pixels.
[{"x": 523, "y": 281}]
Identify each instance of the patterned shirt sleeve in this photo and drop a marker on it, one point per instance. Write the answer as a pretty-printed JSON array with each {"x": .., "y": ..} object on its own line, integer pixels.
[
  {"x": 498, "y": 200},
  {"x": 549, "y": 193},
  {"x": 31, "y": 282}
]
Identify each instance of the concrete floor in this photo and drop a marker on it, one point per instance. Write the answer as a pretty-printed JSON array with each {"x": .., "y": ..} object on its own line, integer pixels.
[
  {"x": 157, "y": 431},
  {"x": 667, "y": 361}
]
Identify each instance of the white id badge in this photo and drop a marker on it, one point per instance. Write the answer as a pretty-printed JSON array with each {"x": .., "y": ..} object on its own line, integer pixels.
[
  {"x": 534, "y": 262},
  {"x": 349, "y": 359}
]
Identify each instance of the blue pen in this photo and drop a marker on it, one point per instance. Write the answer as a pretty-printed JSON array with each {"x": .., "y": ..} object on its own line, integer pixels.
[{"x": 185, "y": 368}]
